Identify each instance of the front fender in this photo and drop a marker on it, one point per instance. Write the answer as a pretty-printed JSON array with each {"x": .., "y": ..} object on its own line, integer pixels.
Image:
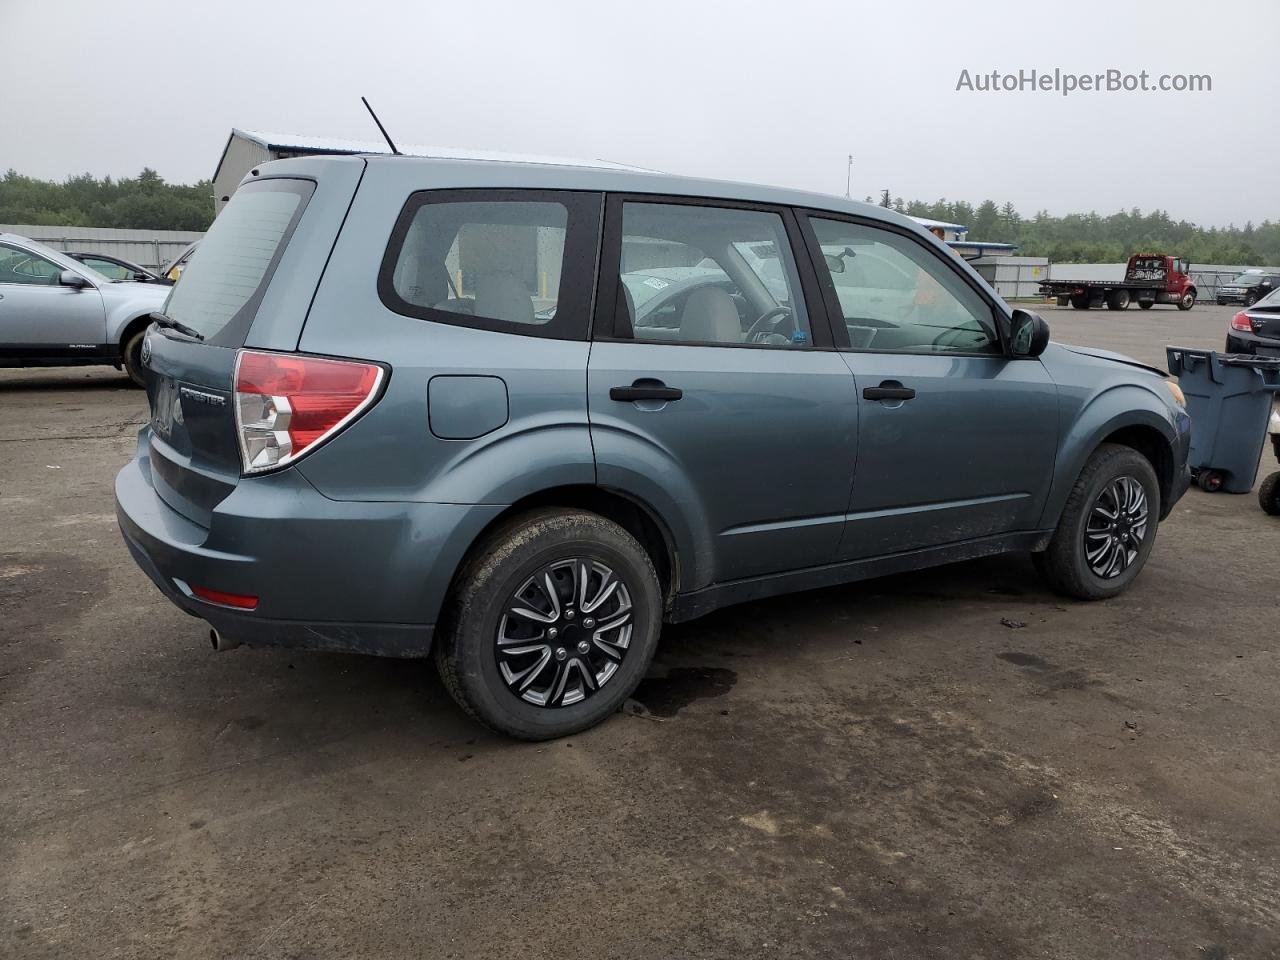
[
  {"x": 1096, "y": 418},
  {"x": 122, "y": 317}
]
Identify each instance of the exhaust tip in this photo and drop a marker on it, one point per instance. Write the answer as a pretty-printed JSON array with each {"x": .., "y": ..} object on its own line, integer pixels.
[{"x": 221, "y": 643}]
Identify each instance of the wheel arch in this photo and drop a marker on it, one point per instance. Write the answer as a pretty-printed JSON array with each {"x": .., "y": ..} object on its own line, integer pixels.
[
  {"x": 1129, "y": 415},
  {"x": 631, "y": 513},
  {"x": 131, "y": 326},
  {"x": 1151, "y": 443}
]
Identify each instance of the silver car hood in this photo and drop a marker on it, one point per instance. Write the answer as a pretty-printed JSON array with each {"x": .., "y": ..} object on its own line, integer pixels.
[{"x": 1116, "y": 357}]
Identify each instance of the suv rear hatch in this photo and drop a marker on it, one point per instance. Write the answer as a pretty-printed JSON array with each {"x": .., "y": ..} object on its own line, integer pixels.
[{"x": 249, "y": 283}]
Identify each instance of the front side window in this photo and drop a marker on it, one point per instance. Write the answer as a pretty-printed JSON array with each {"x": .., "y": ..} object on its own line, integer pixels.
[
  {"x": 19, "y": 266},
  {"x": 108, "y": 268},
  {"x": 708, "y": 275},
  {"x": 896, "y": 295},
  {"x": 493, "y": 259}
]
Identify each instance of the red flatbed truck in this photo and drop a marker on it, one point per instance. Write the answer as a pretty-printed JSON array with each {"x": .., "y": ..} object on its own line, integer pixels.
[{"x": 1149, "y": 278}]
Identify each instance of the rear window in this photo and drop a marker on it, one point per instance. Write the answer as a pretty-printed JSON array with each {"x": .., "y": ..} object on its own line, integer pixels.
[
  {"x": 515, "y": 261},
  {"x": 222, "y": 285}
]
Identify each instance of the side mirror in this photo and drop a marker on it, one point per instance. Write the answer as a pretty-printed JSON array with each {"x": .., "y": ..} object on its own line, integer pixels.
[
  {"x": 1029, "y": 334},
  {"x": 834, "y": 264},
  {"x": 69, "y": 278}
]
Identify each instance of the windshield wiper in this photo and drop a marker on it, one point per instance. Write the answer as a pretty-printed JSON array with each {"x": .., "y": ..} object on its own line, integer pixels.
[{"x": 166, "y": 321}]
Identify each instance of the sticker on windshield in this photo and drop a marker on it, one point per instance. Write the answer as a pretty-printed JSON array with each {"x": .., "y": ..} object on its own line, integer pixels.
[{"x": 656, "y": 282}]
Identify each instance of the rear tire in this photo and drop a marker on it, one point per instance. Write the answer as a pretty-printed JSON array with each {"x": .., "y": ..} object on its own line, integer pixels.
[
  {"x": 133, "y": 358},
  {"x": 1269, "y": 495},
  {"x": 1119, "y": 300},
  {"x": 1188, "y": 300},
  {"x": 536, "y": 666},
  {"x": 1145, "y": 304},
  {"x": 1080, "y": 302},
  {"x": 1090, "y": 557}
]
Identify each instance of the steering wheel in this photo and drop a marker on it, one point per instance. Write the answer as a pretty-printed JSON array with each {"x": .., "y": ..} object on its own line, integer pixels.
[{"x": 768, "y": 324}]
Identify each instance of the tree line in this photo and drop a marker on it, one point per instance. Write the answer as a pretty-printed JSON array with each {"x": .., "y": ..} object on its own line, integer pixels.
[
  {"x": 147, "y": 202},
  {"x": 1093, "y": 238},
  {"x": 144, "y": 202}
]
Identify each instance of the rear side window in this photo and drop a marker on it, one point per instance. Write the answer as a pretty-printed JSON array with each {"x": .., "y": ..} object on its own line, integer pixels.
[
  {"x": 223, "y": 283},
  {"x": 513, "y": 261}
]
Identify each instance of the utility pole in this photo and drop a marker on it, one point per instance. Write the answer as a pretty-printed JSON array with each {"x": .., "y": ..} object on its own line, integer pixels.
[{"x": 848, "y": 176}]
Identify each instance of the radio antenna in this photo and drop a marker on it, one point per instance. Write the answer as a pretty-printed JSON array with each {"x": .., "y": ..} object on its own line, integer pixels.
[{"x": 386, "y": 136}]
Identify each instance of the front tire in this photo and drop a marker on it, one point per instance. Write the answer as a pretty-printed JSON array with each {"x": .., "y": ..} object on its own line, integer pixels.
[
  {"x": 552, "y": 624},
  {"x": 132, "y": 357},
  {"x": 1250, "y": 299},
  {"x": 1107, "y": 528}
]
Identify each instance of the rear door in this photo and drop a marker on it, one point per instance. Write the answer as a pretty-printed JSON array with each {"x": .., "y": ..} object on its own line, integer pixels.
[
  {"x": 956, "y": 440},
  {"x": 39, "y": 317},
  {"x": 193, "y": 445},
  {"x": 724, "y": 401}
]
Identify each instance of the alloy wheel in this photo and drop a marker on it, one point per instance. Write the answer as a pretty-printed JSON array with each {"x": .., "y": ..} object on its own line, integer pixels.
[
  {"x": 1116, "y": 526},
  {"x": 564, "y": 633}
]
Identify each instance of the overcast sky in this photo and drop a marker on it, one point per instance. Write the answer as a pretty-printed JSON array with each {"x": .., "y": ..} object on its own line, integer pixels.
[{"x": 777, "y": 92}]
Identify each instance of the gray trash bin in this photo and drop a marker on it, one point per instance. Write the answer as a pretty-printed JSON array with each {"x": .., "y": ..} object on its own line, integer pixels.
[{"x": 1229, "y": 399}]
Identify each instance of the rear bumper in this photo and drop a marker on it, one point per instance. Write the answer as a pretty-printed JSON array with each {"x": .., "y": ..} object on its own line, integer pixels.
[
  {"x": 330, "y": 575},
  {"x": 1240, "y": 342}
]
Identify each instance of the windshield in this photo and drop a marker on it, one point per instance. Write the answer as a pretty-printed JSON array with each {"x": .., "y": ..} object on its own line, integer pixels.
[
  {"x": 1246, "y": 280},
  {"x": 226, "y": 277}
]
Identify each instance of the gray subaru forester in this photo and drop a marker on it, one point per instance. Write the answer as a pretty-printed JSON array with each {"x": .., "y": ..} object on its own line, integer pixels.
[{"x": 520, "y": 414}]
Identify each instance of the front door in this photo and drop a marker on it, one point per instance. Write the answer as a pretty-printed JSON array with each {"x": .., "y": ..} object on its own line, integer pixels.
[
  {"x": 40, "y": 317},
  {"x": 956, "y": 440},
  {"x": 706, "y": 387}
]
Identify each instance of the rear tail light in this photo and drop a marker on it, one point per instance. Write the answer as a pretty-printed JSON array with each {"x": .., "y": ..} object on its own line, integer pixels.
[
  {"x": 1241, "y": 322},
  {"x": 241, "y": 601},
  {"x": 288, "y": 404}
]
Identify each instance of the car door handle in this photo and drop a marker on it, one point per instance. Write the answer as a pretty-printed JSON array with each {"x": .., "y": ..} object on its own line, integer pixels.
[
  {"x": 889, "y": 390},
  {"x": 640, "y": 390}
]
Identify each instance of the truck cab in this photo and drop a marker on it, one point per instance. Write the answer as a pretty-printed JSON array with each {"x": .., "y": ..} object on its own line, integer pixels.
[{"x": 1168, "y": 277}]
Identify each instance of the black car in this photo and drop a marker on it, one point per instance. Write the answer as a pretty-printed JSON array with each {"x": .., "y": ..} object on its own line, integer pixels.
[
  {"x": 1248, "y": 288},
  {"x": 116, "y": 268},
  {"x": 1256, "y": 328}
]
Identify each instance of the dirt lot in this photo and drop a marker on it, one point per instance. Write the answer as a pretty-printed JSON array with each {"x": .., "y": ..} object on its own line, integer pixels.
[{"x": 885, "y": 770}]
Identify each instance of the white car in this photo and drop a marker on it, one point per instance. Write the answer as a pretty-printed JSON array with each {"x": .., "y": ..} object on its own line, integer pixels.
[{"x": 56, "y": 312}]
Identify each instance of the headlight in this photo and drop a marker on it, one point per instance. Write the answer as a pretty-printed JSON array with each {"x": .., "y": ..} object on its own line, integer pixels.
[
  {"x": 1176, "y": 390},
  {"x": 1273, "y": 423}
]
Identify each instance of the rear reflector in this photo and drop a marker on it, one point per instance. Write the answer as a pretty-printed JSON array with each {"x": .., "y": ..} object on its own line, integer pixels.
[
  {"x": 1241, "y": 322},
  {"x": 241, "y": 601},
  {"x": 288, "y": 404}
]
